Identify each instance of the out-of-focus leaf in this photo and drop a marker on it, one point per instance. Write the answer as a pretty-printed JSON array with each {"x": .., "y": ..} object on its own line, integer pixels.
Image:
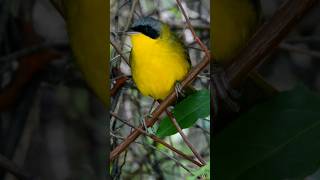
[
  {"x": 86, "y": 22},
  {"x": 187, "y": 112},
  {"x": 278, "y": 139},
  {"x": 313, "y": 176}
]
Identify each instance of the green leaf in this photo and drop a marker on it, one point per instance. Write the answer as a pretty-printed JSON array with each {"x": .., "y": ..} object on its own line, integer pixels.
[
  {"x": 203, "y": 173},
  {"x": 279, "y": 139},
  {"x": 187, "y": 112}
]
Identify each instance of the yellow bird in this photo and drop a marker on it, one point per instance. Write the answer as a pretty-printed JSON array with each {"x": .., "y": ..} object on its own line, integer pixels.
[
  {"x": 158, "y": 58},
  {"x": 233, "y": 23}
]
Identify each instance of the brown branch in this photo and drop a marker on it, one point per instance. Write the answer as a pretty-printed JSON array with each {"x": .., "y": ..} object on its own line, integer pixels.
[
  {"x": 267, "y": 38},
  {"x": 168, "y": 156},
  {"x": 168, "y": 100},
  {"x": 28, "y": 68},
  {"x": 158, "y": 140},
  {"x": 184, "y": 137},
  {"x": 118, "y": 84},
  {"x": 196, "y": 38}
]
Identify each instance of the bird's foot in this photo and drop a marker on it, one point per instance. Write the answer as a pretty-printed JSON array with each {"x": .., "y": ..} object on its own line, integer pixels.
[{"x": 178, "y": 90}]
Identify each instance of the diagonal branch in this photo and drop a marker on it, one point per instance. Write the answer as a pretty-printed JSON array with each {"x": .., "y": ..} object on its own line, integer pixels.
[
  {"x": 119, "y": 52},
  {"x": 267, "y": 38},
  {"x": 184, "y": 137},
  {"x": 156, "y": 139},
  {"x": 120, "y": 82},
  {"x": 196, "y": 38}
]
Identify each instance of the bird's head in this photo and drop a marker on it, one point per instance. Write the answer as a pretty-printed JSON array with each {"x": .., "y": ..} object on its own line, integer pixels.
[{"x": 148, "y": 26}]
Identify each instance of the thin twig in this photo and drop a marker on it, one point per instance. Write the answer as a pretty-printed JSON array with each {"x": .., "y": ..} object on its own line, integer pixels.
[
  {"x": 123, "y": 163},
  {"x": 158, "y": 140},
  {"x": 119, "y": 52},
  {"x": 196, "y": 38},
  {"x": 167, "y": 155},
  {"x": 184, "y": 137},
  {"x": 114, "y": 59},
  {"x": 267, "y": 38},
  {"x": 134, "y": 4}
]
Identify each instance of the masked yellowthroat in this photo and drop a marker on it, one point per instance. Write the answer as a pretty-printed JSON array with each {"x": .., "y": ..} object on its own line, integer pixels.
[{"x": 158, "y": 58}]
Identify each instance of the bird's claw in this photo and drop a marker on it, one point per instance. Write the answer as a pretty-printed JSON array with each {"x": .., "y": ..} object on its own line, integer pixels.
[{"x": 178, "y": 90}]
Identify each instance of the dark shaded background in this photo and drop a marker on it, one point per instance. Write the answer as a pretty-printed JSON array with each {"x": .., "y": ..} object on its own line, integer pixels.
[
  {"x": 297, "y": 58},
  {"x": 295, "y": 61},
  {"x": 51, "y": 125}
]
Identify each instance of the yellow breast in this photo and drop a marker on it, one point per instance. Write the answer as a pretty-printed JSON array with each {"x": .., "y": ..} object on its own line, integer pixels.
[{"x": 156, "y": 65}]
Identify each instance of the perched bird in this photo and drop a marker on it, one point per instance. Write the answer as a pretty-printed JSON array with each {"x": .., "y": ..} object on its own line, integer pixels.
[
  {"x": 233, "y": 23},
  {"x": 158, "y": 58}
]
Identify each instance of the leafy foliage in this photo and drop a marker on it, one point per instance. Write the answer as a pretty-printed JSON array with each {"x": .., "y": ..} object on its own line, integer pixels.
[
  {"x": 278, "y": 139},
  {"x": 187, "y": 112}
]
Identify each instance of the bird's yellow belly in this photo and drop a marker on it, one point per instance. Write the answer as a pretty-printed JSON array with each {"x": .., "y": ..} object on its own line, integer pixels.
[{"x": 156, "y": 69}]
